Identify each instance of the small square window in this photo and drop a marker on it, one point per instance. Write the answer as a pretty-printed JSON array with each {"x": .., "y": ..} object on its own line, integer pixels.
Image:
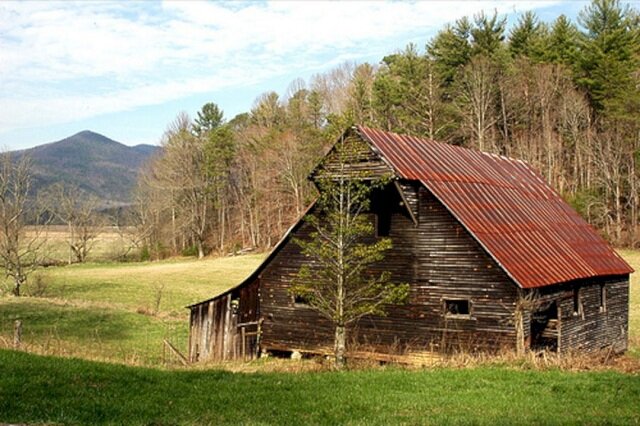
[{"x": 457, "y": 307}]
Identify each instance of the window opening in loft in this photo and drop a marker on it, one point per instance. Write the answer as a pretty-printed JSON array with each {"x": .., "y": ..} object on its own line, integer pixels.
[
  {"x": 603, "y": 298},
  {"x": 383, "y": 223},
  {"x": 457, "y": 307},
  {"x": 300, "y": 300},
  {"x": 577, "y": 302}
]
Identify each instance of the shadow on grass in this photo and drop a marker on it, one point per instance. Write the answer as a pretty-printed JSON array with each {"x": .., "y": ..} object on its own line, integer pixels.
[{"x": 41, "y": 320}]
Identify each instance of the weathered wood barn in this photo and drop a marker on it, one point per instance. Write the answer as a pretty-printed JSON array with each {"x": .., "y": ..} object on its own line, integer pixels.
[{"x": 494, "y": 258}]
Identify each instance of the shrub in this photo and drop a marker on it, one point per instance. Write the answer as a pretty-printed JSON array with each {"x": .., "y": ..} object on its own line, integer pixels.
[{"x": 191, "y": 251}]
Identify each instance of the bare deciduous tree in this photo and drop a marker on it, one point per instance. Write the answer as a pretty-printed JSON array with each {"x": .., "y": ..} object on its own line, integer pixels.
[
  {"x": 477, "y": 101},
  {"x": 79, "y": 212},
  {"x": 20, "y": 247}
]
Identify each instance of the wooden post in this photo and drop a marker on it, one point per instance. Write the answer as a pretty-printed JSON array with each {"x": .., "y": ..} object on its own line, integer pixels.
[
  {"x": 258, "y": 338},
  {"x": 243, "y": 344},
  {"x": 17, "y": 334}
]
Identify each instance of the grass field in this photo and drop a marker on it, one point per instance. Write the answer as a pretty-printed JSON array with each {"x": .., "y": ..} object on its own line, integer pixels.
[
  {"x": 108, "y": 246},
  {"x": 108, "y": 311},
  {"x": 35, "y": 389}
]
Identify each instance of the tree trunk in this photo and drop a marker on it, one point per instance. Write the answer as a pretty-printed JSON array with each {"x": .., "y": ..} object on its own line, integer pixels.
[
  {"x": 200, "y": 248},
  {"x": 17, "y": 285},
  {"x": 340, "y": 347}
]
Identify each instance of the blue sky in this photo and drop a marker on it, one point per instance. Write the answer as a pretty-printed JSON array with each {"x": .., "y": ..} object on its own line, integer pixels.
[{"x": 126, "y": 69}]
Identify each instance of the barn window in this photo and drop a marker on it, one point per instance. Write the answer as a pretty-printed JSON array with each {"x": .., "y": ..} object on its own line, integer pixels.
[
  {"x": 603, "y": 298},
  {"x": 577, "y": 303},
  {"x": 383, "y": 223},
  {"x": 300, "y": 300},
  {"x": 457, "y": 307}
]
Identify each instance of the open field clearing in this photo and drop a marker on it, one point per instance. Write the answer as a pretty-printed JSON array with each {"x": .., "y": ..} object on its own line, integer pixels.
[
  {"x": 136, "y": 285},
  {"x": 108, "y": 246},
  {"x": 107, "y": 312},
  {"x": 36, "y": 389},
  {"x": 117, "y": 312}
]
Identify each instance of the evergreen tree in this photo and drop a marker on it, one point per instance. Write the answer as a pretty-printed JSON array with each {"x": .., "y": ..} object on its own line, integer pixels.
[
  {"x": 450, "y": 49},
  {"x": 526, "y": 37},
  {"x": 610, "y": 57},
  {"x": 560, "y": 46},
  {"x": 488, "y": 34},
  {"x": 209, "y": 118}
]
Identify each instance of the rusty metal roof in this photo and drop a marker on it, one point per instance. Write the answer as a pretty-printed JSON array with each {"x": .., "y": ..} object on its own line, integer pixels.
[{"x": 535, "y": 236}]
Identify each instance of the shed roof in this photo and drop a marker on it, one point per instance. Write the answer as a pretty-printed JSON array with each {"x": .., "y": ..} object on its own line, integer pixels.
[{"x": 536, "y": 237}]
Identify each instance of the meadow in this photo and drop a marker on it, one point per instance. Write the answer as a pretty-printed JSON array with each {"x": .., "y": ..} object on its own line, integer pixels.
[
  {"x": 110, "y": 311},
  {"x": 53, "y": 390}
]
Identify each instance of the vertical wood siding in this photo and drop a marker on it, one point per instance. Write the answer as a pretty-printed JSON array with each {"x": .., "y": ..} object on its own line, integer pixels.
[{"x": 217, "y": 331}]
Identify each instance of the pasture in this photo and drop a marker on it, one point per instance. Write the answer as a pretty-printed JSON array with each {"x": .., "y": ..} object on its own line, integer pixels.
[
  {"x": 52, "y": 390},
  {"x": 118, "y": 312}
]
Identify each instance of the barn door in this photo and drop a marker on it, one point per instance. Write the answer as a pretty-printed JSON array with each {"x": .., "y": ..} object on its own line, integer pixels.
[
  {"x": 248, "y": 323},
  {"x": 544, "y": 328}
]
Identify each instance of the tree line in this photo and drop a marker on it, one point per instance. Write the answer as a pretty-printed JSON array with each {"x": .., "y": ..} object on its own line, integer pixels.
[{"x": 563, "y": 96}]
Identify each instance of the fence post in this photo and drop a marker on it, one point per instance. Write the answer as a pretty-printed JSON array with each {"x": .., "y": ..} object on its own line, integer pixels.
[{"x": 17, "y": 333}]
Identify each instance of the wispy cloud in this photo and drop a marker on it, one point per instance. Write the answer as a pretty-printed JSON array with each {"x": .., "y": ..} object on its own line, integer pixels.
[{"x": 66, "y": 61}]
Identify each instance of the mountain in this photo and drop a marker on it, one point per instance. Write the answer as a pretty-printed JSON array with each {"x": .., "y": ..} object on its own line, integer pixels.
[{"x": 99, "y": 165}]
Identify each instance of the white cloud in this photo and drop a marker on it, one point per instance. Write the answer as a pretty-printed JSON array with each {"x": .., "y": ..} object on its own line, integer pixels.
[{"x": 65, "y": 61}]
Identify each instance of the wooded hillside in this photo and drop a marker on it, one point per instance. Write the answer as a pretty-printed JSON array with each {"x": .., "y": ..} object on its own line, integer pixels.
[{"x": 563, "y": 96}]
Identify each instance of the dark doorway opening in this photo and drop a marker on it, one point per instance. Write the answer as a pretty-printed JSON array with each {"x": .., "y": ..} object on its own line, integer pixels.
[{"x": 544, "y": 328}]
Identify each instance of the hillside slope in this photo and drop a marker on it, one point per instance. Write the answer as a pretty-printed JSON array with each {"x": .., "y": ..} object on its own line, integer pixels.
[{"x": 99, "y": 165}]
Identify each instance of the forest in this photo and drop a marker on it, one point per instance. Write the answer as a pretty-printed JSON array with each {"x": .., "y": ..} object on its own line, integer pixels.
[{"x": 563, "y": 96}]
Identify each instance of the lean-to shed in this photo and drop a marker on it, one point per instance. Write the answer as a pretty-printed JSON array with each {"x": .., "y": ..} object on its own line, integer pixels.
[{"x": 493, "y": 255}]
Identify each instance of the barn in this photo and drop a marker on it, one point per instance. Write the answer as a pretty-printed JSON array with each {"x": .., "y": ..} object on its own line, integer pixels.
[{"x": 494, "y": 257}]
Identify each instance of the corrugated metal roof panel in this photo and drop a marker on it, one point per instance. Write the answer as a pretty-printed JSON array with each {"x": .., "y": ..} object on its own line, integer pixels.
[{"x": 512, "y": 212}]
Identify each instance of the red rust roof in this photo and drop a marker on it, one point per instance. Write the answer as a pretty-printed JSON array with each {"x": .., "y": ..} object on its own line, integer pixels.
[{"x": 535, "y": 236}]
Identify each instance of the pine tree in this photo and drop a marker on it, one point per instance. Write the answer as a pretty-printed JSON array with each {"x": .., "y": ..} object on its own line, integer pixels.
[
  {"x": 526, "y": 37},
  {"x": 450, "y": 49},
  {"x": 561, "y": 44},
  {"x": 610, "y": 57}
]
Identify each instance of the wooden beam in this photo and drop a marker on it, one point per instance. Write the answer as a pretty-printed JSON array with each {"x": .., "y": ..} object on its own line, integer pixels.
[{"x": 406, "y": 203}]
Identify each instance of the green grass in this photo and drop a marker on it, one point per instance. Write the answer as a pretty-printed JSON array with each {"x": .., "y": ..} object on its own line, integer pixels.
[
  {"x": 104, "y": 311},
  {"x": 90, "y": 331},
  {"x": 36, "y": 389},
  {"x": 134, "y": 285}
]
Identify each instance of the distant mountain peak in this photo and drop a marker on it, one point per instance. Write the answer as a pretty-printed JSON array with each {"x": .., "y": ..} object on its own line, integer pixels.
[
  {"x": 88, "y": 133},
  {"x": 88, "y": 136},
  {"x": 105, "y": 168}
]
